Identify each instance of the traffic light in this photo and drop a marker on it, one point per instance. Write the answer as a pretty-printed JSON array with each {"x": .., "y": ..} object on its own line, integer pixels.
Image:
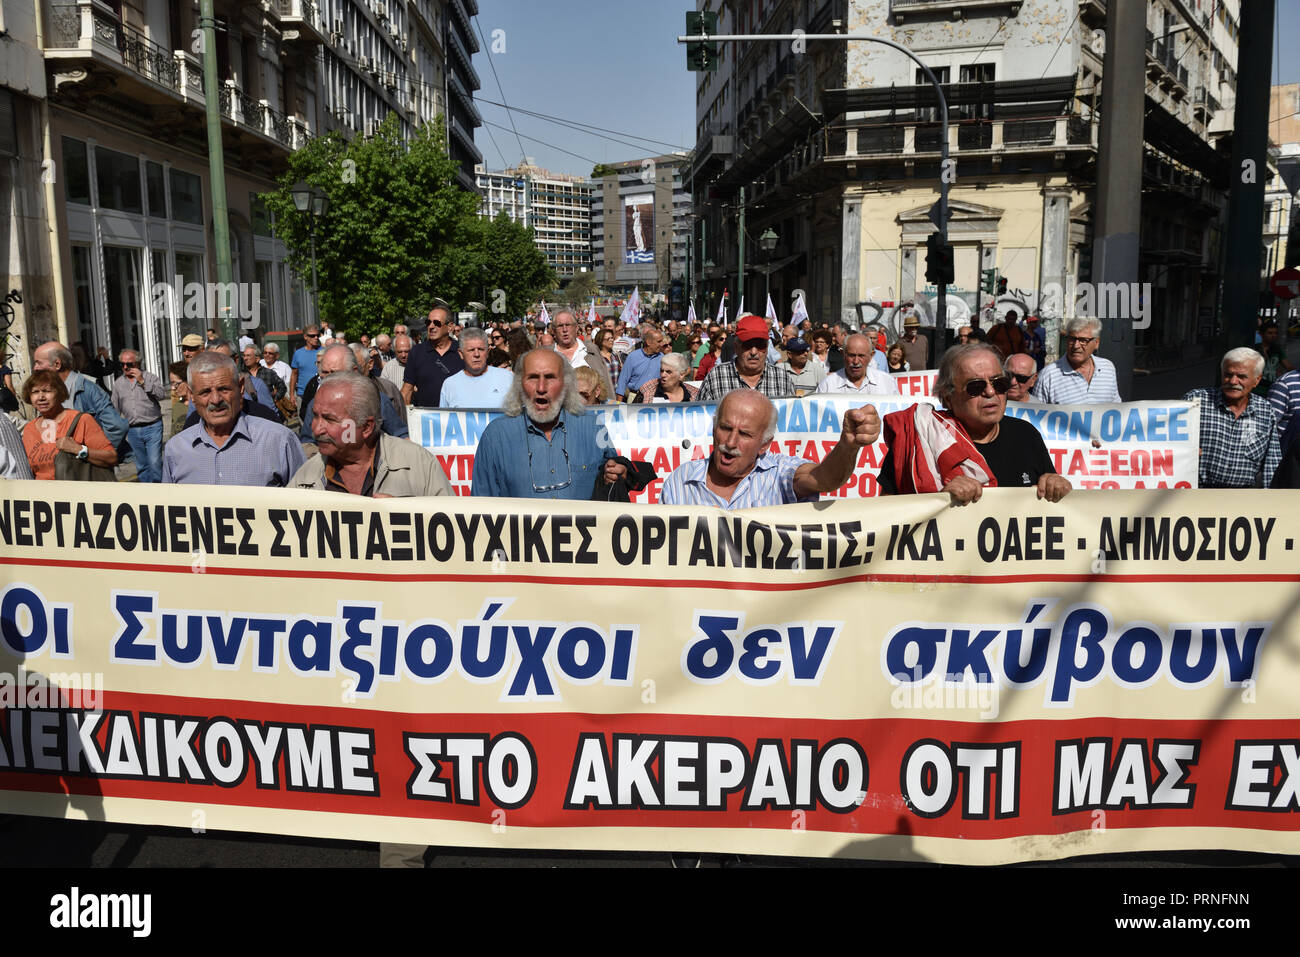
[
  {"x": 989, "y": 280},
  {"x": 1002, "y": 285},
  {"x": 700, "y": 55},
  {"x": 939, "y": 267}
]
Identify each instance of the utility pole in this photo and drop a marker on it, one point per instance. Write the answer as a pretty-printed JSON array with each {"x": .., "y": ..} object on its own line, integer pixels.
[
  {"x": 1249, "y": 174},
  {"x": 217, "y": 171},
  {"x": 700, "y": 43},
  {"x": 740, "y": 243}
]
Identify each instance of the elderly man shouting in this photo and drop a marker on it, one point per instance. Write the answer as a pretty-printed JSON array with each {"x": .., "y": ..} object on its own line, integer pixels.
[{"x": 742, "y": 473}]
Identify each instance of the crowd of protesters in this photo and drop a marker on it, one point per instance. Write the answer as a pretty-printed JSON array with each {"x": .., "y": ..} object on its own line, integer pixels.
[{"x": 243, "y": 413}]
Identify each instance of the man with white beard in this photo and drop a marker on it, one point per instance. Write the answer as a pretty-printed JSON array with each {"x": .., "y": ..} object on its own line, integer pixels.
[{"x": 547, "y": 445}]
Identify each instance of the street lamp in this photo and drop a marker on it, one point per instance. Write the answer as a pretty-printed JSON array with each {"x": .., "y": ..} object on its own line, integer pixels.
[
  {"x": 309, "y": 199},
  {"x": 767, "y": 242}
]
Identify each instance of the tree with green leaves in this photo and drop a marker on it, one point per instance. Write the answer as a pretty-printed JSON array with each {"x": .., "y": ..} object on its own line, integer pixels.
[
  {"x": 398, "y": 231},
  {"x": 582, "y": 287}
]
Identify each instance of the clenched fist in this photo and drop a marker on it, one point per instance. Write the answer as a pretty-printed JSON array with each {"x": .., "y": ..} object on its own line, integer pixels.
[{"x": 861, "y": 426}]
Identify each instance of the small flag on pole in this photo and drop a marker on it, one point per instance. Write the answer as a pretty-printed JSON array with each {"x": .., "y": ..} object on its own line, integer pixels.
[
  {"x": 632, "y": 309},
  {"x": 544, "y": 317},
  {"x": 722, "y": 309},
  {"x": 800, "y": 311},
  {"x": 771, "y": 313},
  {"x": 592, "y": 318},
  {"x": 690, "y": 314}
]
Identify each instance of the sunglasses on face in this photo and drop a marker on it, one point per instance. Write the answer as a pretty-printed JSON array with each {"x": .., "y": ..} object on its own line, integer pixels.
[
  {"x": 1022, "y": 379},
  {"x": 436, "y": 324},
  {"x": 975, "y": 387},
  {"x": 129, "y": 365}
]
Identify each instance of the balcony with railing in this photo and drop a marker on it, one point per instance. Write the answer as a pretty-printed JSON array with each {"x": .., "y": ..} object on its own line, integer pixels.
[
  {"x": 913, "y": 11},
  {"x": 299, "y": 20},
  {"x": 91, "y": 30},
  {"x": 260, "y": 117}
]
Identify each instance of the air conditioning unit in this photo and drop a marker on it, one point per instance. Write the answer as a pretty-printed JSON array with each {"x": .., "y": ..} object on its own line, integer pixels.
[
  {"x": 372, "y": 127},
  {"x": 336, "y": 39},
  {"x": 363, "y": 63},
  {"x": 390, "y": 80}
]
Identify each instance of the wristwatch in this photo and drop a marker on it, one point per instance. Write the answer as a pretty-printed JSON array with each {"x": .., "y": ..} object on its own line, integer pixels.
[{"x": 84, "y": 453}]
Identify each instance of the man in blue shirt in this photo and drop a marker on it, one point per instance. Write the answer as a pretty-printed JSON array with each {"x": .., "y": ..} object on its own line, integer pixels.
[
  {"x": 303, "y": 364},
  {"x": 547, "y": 445},
  {"x": 478, "y": 385},
  {"x": 642, "y": 365},
  {"x": 341, "y": 358}
]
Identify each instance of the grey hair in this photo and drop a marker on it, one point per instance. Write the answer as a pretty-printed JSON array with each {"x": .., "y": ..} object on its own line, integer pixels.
[
  {"x": 362, "y": 355},
  {"x": 1083, "y": 324},
  {"x": 676, "y": 361},
  {"x": 943, "y": 381},
  {"x": 220, "y": 344},
  {"x": 769, "y": 431},
  {"x": 333, "y": 347},
  {"x": 363, "y": 396},
  {"x": 273, "y": 347},
  {"x": 570, "y": 398},
  {"x": 473, "y": 333},
  {"x": 209, "y": 361},
  {"x": 1243, "y": 354}
]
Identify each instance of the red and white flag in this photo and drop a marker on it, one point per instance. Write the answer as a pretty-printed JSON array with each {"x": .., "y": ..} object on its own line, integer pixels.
[{"x": 722, "y": 309}]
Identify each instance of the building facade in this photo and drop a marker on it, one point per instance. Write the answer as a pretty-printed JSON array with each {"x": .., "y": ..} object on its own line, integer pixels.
[
  {"x": 641, "y": 224},
  {"x": 836, "y": 148},
  {"x": 105, "y": 196},
  {"x": 557, "y": 207}
]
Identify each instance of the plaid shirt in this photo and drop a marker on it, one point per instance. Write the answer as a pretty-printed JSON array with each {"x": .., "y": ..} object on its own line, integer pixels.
[
  {"x": 723, "y": 378},
  {"x": 1236, "y": 451},
  {"x": 615, "y": 363}
]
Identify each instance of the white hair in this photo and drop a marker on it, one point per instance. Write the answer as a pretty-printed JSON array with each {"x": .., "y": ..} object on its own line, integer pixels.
[
  {"x": 1243, "y": 354},
  {"x": 676, "y": 362},
  {"x": 1083, "y": 324},
  {"x": 570, "y": 399}
]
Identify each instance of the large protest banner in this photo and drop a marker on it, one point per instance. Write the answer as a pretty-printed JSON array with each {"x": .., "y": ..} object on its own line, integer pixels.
[
  {"x": 1007, "y": 681},
  {"x": 1121, "y": 446}
]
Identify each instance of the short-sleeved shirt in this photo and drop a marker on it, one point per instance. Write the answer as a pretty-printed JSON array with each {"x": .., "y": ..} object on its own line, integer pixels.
[
  {"x": 304, "y": 363},
  {"x": 770, "y": 482},
  {"x": 41, "y": 454},
  {"x": 514, "y": 458},
  {"x": 258, "y": 452},
  {"x": 874, "y": 382},
  {"x": 1060, "y": 384},
  {"x": 1017, "y": 457},
  {"x": 485, "y": 391},
  {"x": 427, "y": 370},
  {"x": 1236, "y": 451}
]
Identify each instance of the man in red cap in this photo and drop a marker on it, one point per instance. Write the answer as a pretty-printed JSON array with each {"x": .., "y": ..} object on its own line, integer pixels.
[{"x": 750, "y": 368}]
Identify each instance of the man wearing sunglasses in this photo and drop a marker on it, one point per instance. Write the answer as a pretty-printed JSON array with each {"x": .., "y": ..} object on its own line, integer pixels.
[
  {"x": 1023, "y": 372},
  {"x": 547, "y": 445},
  {"x": 750, "y": 369},
  {"x": 303, "y": 364},
  {"x": 136, "y": 396},
  {"x": 974, "y": 443},
  {"x": 1078, "y": 376},
  {"x": 432, "y": 362}
]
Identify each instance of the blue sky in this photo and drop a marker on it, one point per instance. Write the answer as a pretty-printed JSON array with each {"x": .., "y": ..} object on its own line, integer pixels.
[{"x": 617, "y": 65}]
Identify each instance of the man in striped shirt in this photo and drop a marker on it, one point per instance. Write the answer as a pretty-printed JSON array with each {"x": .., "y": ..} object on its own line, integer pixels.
[
  {"x": 1079, "y": 377},
  {"x": 742, "y": 473}
]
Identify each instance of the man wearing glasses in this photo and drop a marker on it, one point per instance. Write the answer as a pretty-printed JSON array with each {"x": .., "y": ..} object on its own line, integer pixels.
[
  {"x": 303, "y": 365},
  {"x": 136, "y": 396},
  {"x": 1079, "y": 377},
  {"x": 750, "y": 368},
  {"x": 971, "y": 445},
  {"x": 547, "y": 445},
  {"x": 1023, "y": 372},
  {"x": 432, "y": 362}
]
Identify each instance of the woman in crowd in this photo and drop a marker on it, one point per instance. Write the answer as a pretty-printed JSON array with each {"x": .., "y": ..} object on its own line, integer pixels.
[
  {"x": 499, "y": 359},
  {"x": 696, "y": 352},
  {"x": 590, "y": 386},
  {"x": 713, "y": 358},
  {"x": 605, "y": 345},
  {"x": 180, "y": 395},
  {"x": 671, "y": 385},
  {"x": 517, "y": 343},
  {"x": 48, "y": 434},
  {"x": 821, "y": 343},
  {"x": 897, "y": 358}
]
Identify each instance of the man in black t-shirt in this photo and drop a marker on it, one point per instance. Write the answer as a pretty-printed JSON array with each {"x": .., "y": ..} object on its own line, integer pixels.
[{"x": 973, "y": 387}]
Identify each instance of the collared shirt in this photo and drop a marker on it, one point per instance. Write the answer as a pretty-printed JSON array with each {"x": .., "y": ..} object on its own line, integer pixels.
[
  {"x": 1284, "y": 397},
  {"x": 723, "y": 378},
  {"x": 1060, "y": 384},
  {"x": 1236, "y": 451},
  {"x": 770, "y": 482},
  {"x": 332, "y": 482},
  {"x": 484, "y": 391},
  {"x": 258, "y": 452},
  {"x": 138, "y": 401},
  {"x": 638, "y": 369},
  {"x": 514, "y": 459},
  {"x": 874, "y": 382},
  {"x": 85, "y": 396},
  {"x": 427, "y": 370},
  {"x": 807, "y": 381},
  {"x": 394, "y": 372}
]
